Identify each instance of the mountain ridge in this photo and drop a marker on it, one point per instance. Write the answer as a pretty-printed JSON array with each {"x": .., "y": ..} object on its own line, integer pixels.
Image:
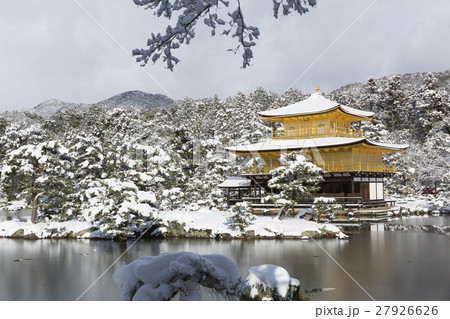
[{"x": 128, "y": 99}]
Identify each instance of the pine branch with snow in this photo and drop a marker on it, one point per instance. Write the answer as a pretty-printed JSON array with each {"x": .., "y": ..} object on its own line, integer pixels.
[{"x": 190, "y": 12}]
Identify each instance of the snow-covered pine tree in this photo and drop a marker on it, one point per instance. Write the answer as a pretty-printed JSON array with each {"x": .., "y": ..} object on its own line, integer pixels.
[
  {"x": 117, "y": 207},
  {"x": 290, "y": 96},
  {"x": 17, "y": 135},
  {"x": 370, "y": 99},
  {"x": 435, "y": 155},
  {"x": 393, "y": 101},
  {"x": 241, "y": 215},
  {"x": 87, "y": 152},
  {"x": 375, "y": 131},
  {"x": 3, "y": 125},
  {"x": 324, "y": 207},
  {"x": 42, "y": 175},
  {"x": 432, "y": 106},
  {"x": 296, "y": 180},
  {"x": 211, "y": 164},
  {"x": 405, "y": 181}
]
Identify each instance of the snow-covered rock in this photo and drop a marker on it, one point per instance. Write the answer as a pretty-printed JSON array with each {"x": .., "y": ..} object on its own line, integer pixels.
[
  {"x": 181, "y": 274},
  {"x": 163, "y": 277},
  {"x": 271, "y": 282}
]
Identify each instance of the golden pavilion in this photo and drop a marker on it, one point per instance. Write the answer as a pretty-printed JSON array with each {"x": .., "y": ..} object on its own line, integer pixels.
[{"x": 322, "y": 131}]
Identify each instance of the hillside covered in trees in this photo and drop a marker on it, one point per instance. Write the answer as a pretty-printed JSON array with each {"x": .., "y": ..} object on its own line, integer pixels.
[{"x": 119, "y": 166}]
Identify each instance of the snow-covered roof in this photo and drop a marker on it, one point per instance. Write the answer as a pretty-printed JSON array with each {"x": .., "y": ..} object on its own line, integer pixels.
[
  {"x": 399, "y": 147},
  {"x": 316, "y": 103},
  {"x": 235, "y": 181},
  {"x": 276, "y": 145}
]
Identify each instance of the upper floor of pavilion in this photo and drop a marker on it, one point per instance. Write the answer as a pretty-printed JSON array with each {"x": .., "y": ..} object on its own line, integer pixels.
[{"x": 315, "y": 117}]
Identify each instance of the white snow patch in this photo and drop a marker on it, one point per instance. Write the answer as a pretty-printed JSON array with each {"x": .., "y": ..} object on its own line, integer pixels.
[
  {"x": 44, "y": 230},
  {"x": 272, "y": 276}
]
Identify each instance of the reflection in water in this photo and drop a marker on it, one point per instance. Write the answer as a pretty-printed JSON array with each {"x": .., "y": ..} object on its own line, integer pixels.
[
  {"x": 442, "y": 220},
  {"x": 389, "y": 265}
]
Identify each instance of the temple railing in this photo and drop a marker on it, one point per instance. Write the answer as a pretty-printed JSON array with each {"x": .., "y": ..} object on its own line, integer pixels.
[
  {"x": 316, "y": 132},
  {"x": 357, "y": 167},
  {"x": 331, "y": 168},
  {"x": 255, "y": 170}
]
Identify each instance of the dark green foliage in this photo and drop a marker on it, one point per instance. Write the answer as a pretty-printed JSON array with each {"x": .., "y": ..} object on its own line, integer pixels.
[{"x": 297, "y": 180}]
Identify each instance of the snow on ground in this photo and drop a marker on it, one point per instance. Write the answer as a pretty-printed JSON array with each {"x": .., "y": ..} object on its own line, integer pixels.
[
  {"x": 422, "y": 203},
  {"x": 412, "y": 203},
  {"x": 267, "y": 226},
  {"x": 46, "y": 230}
]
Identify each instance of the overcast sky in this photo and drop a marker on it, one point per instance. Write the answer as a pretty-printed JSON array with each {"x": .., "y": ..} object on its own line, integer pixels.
[{"x": 52, "y": 49}]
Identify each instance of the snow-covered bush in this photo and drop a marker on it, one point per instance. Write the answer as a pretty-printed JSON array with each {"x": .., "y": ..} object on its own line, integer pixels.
[
  {"x": 181, "y": 274},
  {"x": 118, "y": 208},
  {"x": 241, "y": 215},
  {"x": 324, "y": 206},
  {"x": 170, "y": 274}
]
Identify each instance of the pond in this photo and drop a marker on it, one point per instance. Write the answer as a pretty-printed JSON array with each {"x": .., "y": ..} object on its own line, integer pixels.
[{"x": 388, "y": 265}]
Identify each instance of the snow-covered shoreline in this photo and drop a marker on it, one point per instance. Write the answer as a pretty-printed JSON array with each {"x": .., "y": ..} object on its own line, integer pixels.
[
  {"x": 48, "y": 230},
  {"x": 215, "y": 224},
  {"x": 199, "y": 224}
]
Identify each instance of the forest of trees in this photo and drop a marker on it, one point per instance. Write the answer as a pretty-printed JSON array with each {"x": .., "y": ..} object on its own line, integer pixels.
[{"x": 118, "y": 167}]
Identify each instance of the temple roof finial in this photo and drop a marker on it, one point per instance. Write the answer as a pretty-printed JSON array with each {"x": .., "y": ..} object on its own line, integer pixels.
[{"x": 317, "y": 88}]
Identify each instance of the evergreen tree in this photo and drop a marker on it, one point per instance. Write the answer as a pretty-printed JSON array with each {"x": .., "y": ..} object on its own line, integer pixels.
[
  {"x": 432, "y": 106},
  {"x": 241, "y": 215},
  {"x": 324, "y": 207},
  {"x": 370, "y": 99},
  {"x": 87, "y": 152},
  {"x": 393, "y": 101},
  {"x": 296, "y": 180},
  {"x": 290, "y": 96},
  {"x": 42, "y": 175},
  {"x": 405, "y": 181},
  {"x": 117, "y": 207}
]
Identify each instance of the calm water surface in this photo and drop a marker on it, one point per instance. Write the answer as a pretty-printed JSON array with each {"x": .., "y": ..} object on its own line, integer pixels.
[
  {"x": 442, "y": 220},
  {"x": 389, "y": 265}
]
